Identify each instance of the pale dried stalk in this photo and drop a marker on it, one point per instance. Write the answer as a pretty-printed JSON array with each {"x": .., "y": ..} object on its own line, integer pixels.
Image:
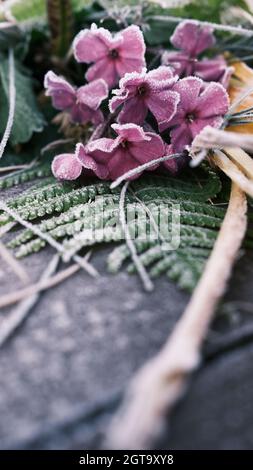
[
  {"x": 147, "y": 283},
  {"x": 14, "y": 320},
  {"x": 48, "y": 238},
  {"x": 232, "y": 170},
  {"x": 241, "y": 159},
  {"x": 12, "y": 101},
  {"x": 14, "y": 264},
  {"x": 211, "y": 138},
  {"x": 45, "y": 283},
  {"x": 161, "y": 382}
]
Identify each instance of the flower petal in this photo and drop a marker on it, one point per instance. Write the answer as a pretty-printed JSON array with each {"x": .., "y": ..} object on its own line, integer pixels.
[
  {"x": 89, "y": 163},
  {"x": 179, "y": 61},
  {"x": 199, "y": 124},
  {"x": 133, "y": 45},
  {"x": 102, "y": 148},
  {"x": 131, "y": 132},
  {"x": 213, "y": 101},
  {"x": 127, "y": 88},
  {"x": 104, "y": 68},
  {"x": 121, "y": 162},
  {"x": 66, "y": 167},
  {"x": 189, "y": 89},
  {"x": 180, "y": 137},
  {"x": 93, "y": 93},
  {"x": 63, "y": 94},
  {"x": 134, "y": 111},
  {"x": 210, "y": 69},
  {"x": 80, "y": 114},
  {"x": 126, "y": 65},
  {"x": 192, "y": 38},
  {"x": 145, "y": 151},
  {"x": 92, "y": 44},
  {"x": 162, "y": 74},
  {"x": 171, "y": 165},
  {"x": 163, "y": 105}
]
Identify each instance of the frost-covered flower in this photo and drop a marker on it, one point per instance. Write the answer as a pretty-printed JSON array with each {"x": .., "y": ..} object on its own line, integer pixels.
[
  {"x": 66, "y": 167},
  {"x": 140, "y": 92},
  {"x": 114, "y": 157},
  {"x": 112, "y": 56},
  {"x": 81, "y": 103},
  {"x": 200, "y": 105},
  {"x": 192, "y": 39}
]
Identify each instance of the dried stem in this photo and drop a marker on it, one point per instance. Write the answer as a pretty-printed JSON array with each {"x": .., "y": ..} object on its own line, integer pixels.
[
  {"x": 233, "y": 171},
  {"x": 12, "y": 100},
  {"x": 147, "y": 283},
  {"x": 15, "y": 265},
  {"x": 43, "y": 284},
  {"x": 10, "y": 323},
  {"x": 47, "y": 237},
  {"x": 161, "y": 382},
  {"x": 218, "y": 27}
]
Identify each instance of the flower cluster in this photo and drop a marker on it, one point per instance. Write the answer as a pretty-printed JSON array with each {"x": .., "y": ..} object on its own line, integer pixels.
[{"x": 157, "y": 112}]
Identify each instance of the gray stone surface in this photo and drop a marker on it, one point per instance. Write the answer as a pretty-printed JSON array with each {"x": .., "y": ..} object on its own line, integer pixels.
[{"x": 63, "y": 371}]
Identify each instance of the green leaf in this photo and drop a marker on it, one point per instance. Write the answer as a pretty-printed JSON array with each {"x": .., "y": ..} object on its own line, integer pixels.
[
  {"x": 28, "y": 118},
  {"x": 69, "y": 212}
]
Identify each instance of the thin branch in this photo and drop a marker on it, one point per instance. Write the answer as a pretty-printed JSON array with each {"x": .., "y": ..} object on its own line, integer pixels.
[
  {"x": 6, "y": 228},
  {"x": 50, "y": 240},
  {"x": 211, "y": 138},
  {"x": 233, "y": 172},
  {"x": 17, "y": 316},
  {"x": 12, "y": 99},
  {"x": 54, "y": 144},
  {"x": 147, "y": 283},
  {"x": 4, "y": 169},
  {"x": 161, "y": 382},
  {"x": 219, "y": 27},
  {"x": 43, "y": 284},
  {"x": 15, "y": 265}
]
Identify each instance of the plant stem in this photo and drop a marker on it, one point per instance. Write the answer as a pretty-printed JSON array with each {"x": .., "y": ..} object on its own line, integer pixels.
[
  {"x": 233, "y": 172},
  {"x": 12, "y": 101},
  {"x": 219, "y": 27},
  {"x": 161, "y": 382},
  {"x": 147, "y": 283}
]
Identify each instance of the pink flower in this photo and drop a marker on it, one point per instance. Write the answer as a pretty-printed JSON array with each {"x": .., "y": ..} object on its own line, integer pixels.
[
  {"x": 200, "y": 105},
  {"x": 112, "y": 57},
  {"x": 192, "y": 39},
  {"x": 140, "y": 92},
  {"x": 82, "y": 103},
  {"x": 111, "y": 158},
  {"x": 66, "y": 167}
]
